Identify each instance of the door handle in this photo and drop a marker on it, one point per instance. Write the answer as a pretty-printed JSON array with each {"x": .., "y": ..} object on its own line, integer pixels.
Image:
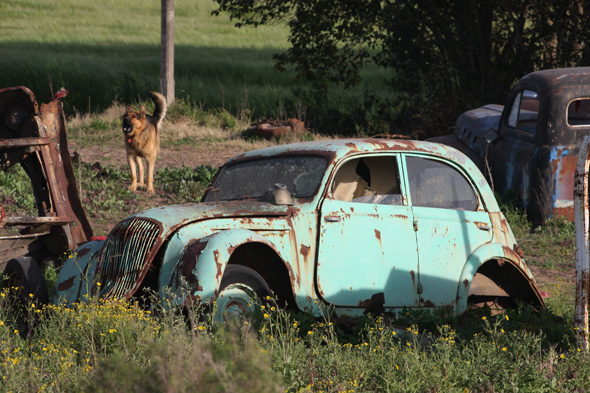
[
  {"x": 332, "y": 219},
  {"x": 484, "y": 227}
]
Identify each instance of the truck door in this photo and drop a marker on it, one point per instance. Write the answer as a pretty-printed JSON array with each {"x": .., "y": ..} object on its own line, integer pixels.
[{"x": 513, "y": 152}]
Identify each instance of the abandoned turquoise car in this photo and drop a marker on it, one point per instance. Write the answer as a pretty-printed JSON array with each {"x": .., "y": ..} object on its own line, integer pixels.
[{"x": 349, "y": 225}]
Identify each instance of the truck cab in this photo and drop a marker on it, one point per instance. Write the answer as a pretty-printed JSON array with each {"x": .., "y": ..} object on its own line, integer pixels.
[{"x": 528, "y": 148}]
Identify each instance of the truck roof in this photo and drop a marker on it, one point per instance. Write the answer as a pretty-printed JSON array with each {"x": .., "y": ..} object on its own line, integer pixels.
[{"x": 548, "y": 80}]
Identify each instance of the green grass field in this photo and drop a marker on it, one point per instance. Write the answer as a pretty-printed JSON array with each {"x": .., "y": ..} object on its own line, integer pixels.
[
  {"x": 105, "y": 51},
  {"x": 110, "y": 50}
]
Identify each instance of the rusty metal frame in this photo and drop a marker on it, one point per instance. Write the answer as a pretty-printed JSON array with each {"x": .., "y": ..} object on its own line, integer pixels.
[
  {"x": 581, "y": 205},
  {"x": 37, "y": 140}
]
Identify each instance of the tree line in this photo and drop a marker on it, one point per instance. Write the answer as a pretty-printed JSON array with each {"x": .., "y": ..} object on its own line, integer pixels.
[{"x": 442, "y": 56}]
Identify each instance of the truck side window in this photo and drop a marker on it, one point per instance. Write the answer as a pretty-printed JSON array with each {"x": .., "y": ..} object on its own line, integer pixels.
[
  {"x": 435, "y": 184},
  {"x": 578, "y": 112},
  {"x": 368, "y": 180},
  {"x": 524, "y": 112}
]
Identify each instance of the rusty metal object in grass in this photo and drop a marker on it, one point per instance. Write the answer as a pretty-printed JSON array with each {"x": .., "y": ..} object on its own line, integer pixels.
[
  {"x": 269, "y": 129},
  {"x": 581, "y": 205},
  {"x": 34, "y": 137}
]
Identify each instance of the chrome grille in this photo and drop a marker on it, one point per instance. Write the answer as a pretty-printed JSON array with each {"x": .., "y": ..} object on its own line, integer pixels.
[{"x": 126, "y": 257}]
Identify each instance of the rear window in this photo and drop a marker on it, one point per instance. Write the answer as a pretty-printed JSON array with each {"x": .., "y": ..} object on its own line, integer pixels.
[{"x": 578, "y": 112}]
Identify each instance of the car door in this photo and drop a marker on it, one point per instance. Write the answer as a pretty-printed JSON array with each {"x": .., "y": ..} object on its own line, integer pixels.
[
  {"x": 367, "y": 244},
  {"x": 450, "y": 223}
]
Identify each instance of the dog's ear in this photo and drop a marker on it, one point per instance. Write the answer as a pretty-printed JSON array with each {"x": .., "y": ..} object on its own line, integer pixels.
[{"x": 142, "y": 112}]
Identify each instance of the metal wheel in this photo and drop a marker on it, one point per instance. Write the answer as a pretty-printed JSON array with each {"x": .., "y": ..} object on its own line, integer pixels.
[
  {"x": 241, "y": 288},
  {"x": 23, "y": 277}
]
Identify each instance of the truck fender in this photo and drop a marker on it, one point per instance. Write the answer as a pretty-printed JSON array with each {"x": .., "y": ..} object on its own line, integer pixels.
[
  {"x": 77, "y": 273},
  {"x": 197, "y": 274},
  {"x": 501, "y": 256}
]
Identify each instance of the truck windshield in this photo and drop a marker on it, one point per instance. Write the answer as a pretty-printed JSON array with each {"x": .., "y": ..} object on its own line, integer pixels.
[{"x": 254, "y": 179}]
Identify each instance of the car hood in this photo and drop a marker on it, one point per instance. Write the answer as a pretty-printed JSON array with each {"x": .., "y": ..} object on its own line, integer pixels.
[{"x": 174, "y": 216}]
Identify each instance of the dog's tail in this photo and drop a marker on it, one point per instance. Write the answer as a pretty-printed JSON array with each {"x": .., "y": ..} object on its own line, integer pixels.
[{"x": 161, "y": 107}]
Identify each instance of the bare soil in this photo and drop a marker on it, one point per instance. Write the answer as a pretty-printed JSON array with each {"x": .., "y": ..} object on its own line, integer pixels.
[{"x": 177, "y": 156}]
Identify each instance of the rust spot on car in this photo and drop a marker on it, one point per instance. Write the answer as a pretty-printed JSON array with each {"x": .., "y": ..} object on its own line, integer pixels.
[
  {"x": 510, "y": 254},
  {"x": 413, "y": 277},
  {"x": 466, "y": 283},
  {"x": 401, "y": 216},
  {"x": 83, "y": 251},
  {"x": 428, "y": 303},
  {"x": 66, "y": 284},
  {"x": 188, "y": 262},
  {"x": 374, "y": 305},
  {"x": 518, "y": 250},
  {"x": 378, "y": 234},
  {"x": 304, "y": 250}
]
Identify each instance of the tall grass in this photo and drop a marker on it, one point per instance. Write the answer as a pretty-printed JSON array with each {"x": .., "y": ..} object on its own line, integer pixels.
[{"x": 118, "y": 347}]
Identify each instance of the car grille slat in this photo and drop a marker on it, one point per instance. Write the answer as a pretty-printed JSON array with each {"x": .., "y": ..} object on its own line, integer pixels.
[{"x": 126, "y": 256}]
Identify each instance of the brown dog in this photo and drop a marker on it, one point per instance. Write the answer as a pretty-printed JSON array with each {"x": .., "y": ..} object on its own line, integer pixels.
[{"x": 142, "y": 140}]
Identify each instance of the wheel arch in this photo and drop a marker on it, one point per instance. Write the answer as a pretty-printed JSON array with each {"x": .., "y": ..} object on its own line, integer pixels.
[
  {"x": 202, "y": 263},
  {"x": 496, "y": 271},
  {"x": 266, "y": 261}
]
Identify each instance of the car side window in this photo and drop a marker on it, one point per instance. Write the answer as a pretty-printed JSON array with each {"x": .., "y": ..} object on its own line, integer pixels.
[
  {"x": 368, "y": 180},
  {"x": 435, "y": 184},
  {"x": 524, "y": 112}
]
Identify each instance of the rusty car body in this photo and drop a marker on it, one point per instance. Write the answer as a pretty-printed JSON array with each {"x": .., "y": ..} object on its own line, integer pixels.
[
  {"x": 528, "y": 148},
  {"x": 35, "y": 138},
  {"x": 348, "y": 224}
]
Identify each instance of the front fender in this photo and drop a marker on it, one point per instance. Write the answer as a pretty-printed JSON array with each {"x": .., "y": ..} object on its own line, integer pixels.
[
  {"x": 481, "y": 255},
  {"x": 199, "y": 269},
  {"x": 76, "y": 275}
]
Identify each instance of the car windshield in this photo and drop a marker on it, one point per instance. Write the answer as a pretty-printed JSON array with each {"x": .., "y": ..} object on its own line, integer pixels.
[{"x": 255, "y": 179}]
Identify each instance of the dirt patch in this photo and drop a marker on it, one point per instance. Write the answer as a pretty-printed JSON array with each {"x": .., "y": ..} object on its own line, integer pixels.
[
  {"x": 178, "y": 156},
  {"x": 549, "y": 276}
]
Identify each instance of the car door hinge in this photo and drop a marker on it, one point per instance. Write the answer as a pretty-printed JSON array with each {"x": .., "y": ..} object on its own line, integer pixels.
[
  {"x": 415, "y": 223},
  {"x": 419, "y": 288}
]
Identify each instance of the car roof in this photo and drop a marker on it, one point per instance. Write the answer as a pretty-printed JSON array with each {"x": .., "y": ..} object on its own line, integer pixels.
[
  {"x": 337, "y": 149},
  {"x": 340, "y": 148}
]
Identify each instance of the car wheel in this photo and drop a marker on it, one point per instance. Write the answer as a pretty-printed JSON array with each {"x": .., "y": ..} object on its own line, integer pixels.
[
  {"x": 240, "y": 290},
  {"x": 25, "y": 283}
]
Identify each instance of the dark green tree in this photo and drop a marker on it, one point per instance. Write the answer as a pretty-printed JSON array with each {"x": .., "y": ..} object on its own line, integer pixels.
[{"x": 444, "y": 56}]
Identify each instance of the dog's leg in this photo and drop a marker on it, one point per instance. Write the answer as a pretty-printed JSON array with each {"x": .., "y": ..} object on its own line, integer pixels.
[
  {"x": 141, "y": 172},
  {"x": 151, "y": 161},
  {"x": 131, "y": 161}
]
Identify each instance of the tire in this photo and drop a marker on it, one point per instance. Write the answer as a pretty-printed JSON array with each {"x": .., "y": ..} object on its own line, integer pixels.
[
  {"x": 240, "y": 290},
  {"x": 23, "y": 277}
]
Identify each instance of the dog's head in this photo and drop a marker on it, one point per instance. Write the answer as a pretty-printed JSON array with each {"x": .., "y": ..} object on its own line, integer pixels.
[{"x": 133, "y": 122}]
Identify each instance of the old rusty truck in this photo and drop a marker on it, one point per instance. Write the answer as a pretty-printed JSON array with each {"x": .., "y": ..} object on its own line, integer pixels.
[
  {"x": 349, "y": 225},
  {"x": 528, "y": 148},
  {"x": 35, "y": 139}
]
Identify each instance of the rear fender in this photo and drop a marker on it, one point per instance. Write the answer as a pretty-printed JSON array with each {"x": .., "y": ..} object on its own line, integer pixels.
[
  {"x": 503, "y": 258},
  {"x": 77, "y": 273},
  {"x": 197, "y": 274}
]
